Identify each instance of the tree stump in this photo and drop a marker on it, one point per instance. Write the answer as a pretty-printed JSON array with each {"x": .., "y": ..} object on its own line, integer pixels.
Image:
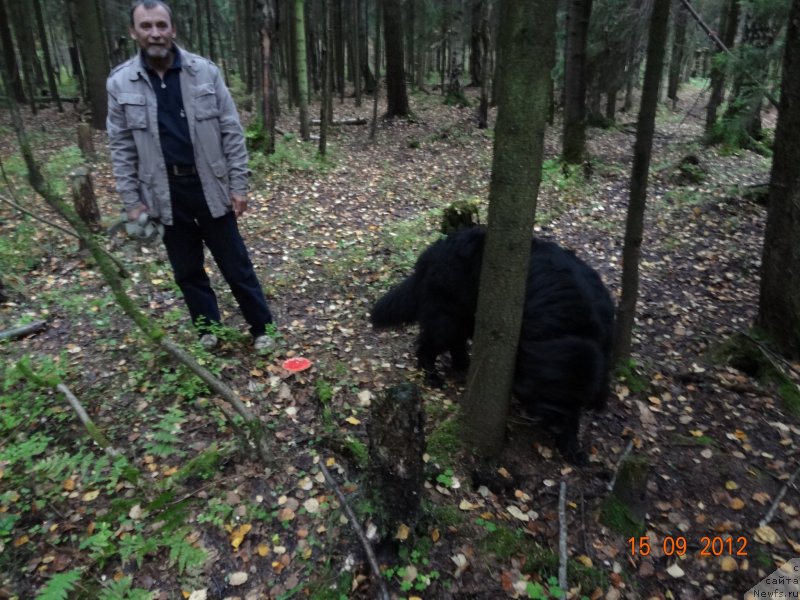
[
  {"x": 85, "y": 141},
  {"x": 396, "y": 444},
  {"x": 84, "y": 200},
  {"x": 624, "y": 510}
]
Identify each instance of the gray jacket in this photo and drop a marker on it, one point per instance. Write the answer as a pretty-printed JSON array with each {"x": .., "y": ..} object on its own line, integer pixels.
[{"x": 137, "y": 161}]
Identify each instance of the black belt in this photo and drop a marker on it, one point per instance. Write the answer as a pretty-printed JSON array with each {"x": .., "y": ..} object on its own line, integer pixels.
[{"x": 181, "y": 170}]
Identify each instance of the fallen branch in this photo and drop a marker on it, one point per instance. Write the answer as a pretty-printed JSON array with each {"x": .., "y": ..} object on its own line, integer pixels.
[
  {"x": 355, "y": 121},
  {"x": 771, "y": 512},
  {"x": 383, "y": 593},
  {"x": 562, "y": 537},
  {"x": 94, "y": 433},
  {"x": 123, "y": 272},
  {"x": 621, "y": 460},
  {"x": 22, "y": 330}
]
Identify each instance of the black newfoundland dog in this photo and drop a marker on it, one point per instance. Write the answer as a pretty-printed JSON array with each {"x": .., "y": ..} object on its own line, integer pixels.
[{"x": 565, "y": 341}]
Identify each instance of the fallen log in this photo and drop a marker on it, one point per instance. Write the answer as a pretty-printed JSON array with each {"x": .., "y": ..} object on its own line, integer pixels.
[{"x": 22, "y": 330}]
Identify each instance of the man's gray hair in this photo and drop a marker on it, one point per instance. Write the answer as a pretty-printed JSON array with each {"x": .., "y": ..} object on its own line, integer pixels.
[{"x": 150, "y": 4}]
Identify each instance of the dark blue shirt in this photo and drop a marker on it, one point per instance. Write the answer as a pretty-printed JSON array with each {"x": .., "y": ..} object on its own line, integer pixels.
[{"x": 173, "y": 129}]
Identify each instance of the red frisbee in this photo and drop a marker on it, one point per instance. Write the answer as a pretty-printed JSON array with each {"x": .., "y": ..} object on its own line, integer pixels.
[{"x": 296, "y": 364}]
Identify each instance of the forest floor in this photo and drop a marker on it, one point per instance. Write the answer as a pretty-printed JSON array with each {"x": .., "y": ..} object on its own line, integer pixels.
[{"x": 328, "y": 238}]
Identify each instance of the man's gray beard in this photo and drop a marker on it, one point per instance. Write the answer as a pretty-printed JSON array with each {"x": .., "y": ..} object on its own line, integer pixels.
[{"x": 157, "y": 52}]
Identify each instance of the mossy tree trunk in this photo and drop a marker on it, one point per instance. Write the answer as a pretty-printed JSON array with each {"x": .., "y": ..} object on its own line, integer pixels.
[
  {"x": 526, "y": 52},
  {"x": 779, "y": 302},
  {"x": 642, "y": 150},
  {"x": 302, "y": 69}
]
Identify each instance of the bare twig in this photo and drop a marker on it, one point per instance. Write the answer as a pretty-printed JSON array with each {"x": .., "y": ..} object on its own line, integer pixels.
[
  {"x": 33, "y": 215},
  {"x": 22, "y": 330},
  {"x": 383, "y": 593},
  {"x": 123, "y": 272},
  {"x": 771, "y": 512},
  {"x": 562, "y": 537},
  {"x": 94, "y": 432},
  {"x": 619, "y": 464}
]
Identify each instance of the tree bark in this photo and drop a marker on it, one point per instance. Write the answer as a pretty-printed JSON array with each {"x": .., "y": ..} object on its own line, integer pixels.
[
  {"x": 84, "y": 199},
  {"x": 779, "y": 301},
  {"x": 95, "y": 59},
  {"x": 396, "y": 96},
  {"x": 48, "y": 62},
  {"x": 486, "y": 51},
  {"x": 634, "y": 226},
  {"x": 268, "y": 80},
  {"x": 325, "y": 116},
  {"x": 678, "y": 53},
  {"x": 9, "y": 55},
  {"x": 302, "y": 69},
  {"x": 527, "y": 53},
  {"x": 574, "y": 138},
  {"x": 729, "y": 26}
]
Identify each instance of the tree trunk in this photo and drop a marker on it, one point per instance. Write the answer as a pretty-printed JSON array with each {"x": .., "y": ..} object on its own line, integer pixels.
[
  {"x": 268, "y": 80},
  {"x": 85, "y": 141},
  {"x": 455, "y": 68},
  {"x": 476, "y": 66},
  {"x": 325, "y": 116},
  {"x": 678, "y": 53},
  {"x": 527, "y": 53},
  {"x": 729, "y": 26},
  {"x": 396, "y": 434},
  {"x": 779, "y": 302},
  {"x": 337, "y": 26},
  {"x": 410, "y": 49},
  {"x": 634, "y": 226},
  {"x": 95, "y": 59},
  {"x": 373, "y": 128},
  {"x": 574, "y": 138},
  {"x": 355, "y": 44},
  {"x": 51, "y": 78},
  {"x": 370, "y": 80},
  {"x": 84, "y": 200},
  {"x": 302, "y": 72},
  {"x": 9, "y": 55},
  {"x": 396, "y": 97},
  {"x": 485, "y": 50}
]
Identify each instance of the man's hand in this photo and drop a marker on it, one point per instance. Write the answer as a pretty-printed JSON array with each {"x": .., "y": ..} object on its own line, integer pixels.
[
  {"x": 239, "y": 203},
  {"x": 133, "y": 213}
]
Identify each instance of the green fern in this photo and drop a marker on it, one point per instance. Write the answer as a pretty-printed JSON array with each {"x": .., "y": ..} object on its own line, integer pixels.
[
  {"x": 183, "y": 554},
  {"x": 60, "y": 585},
  {"x": 123, "y": 590}
]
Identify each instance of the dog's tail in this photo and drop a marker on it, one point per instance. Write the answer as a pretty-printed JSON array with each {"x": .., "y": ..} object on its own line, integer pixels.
[{"x": 399, "y": 306}]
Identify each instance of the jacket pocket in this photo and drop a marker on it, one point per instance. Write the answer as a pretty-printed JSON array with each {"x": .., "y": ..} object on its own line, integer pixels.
[
  {"x": 135, "y": 107},
  {"x": 205, "y": 102}
]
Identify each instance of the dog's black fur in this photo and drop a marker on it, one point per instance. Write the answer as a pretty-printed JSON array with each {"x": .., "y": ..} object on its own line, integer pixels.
[{"x": 563, "y": 358}]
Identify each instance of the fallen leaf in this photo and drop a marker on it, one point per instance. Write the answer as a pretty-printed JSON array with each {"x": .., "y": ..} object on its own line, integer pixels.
[
  {"x": 237, "y": 535},
  {"x": 403, "y": 531},
  {"x": 518, "y": 514},
  {"x": 767, "y": 535},
  {"x": 237, "y": 578},
  {"x": 675, "y": 571},
  {"x": 89, "y": 496},
  {"x": 729, "y": 564}
]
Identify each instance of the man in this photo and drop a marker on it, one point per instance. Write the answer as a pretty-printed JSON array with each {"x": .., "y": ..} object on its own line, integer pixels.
[{"x": 178, "y": 155}]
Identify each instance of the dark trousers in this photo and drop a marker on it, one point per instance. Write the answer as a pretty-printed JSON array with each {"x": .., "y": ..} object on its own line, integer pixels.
[{"x": 192, "y": 226}]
